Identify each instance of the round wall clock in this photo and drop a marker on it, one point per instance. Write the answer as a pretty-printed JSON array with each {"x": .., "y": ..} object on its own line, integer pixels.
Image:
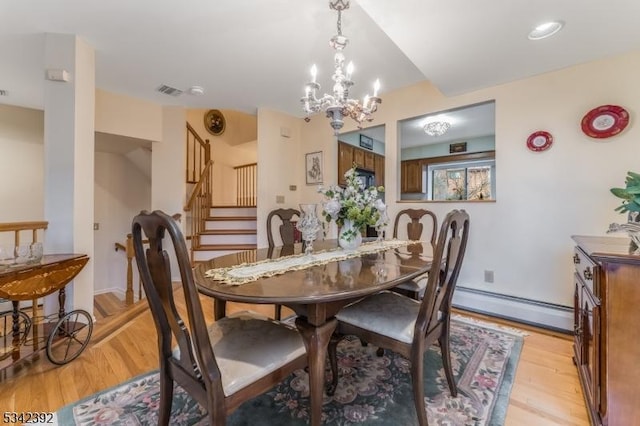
[
  {"x": 605, "y": 121},
  {"x": 539, "y": 141},
  {"x": 214, "y": 122}
]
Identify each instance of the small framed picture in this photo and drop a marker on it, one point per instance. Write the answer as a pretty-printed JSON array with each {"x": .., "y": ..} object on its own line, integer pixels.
[
  {"x": 455, "y": 148},
  {"x": 366, "y": 142},
  {"x": 313, "y": 168}
]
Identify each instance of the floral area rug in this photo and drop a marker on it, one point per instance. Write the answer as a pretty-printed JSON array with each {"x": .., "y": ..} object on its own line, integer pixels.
[{"x": 372, "y": 390}]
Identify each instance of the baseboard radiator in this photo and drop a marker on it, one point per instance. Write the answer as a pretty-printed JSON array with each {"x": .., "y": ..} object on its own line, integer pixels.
[{"x": 532, "y": 312}]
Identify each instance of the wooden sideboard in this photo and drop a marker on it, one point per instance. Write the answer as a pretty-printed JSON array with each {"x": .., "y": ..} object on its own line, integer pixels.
[{"x": 607, "y": 328}]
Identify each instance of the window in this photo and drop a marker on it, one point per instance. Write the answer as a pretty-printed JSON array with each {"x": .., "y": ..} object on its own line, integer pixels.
[{"x": 466, "y": 180}]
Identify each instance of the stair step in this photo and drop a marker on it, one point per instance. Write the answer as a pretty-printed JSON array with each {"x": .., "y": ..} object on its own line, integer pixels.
[
  {"x": 228, "y": 232},
  {"x": 214, "y": 247},
  {"x": 235, "y": 224},
  {"x": 226, "y": 237},
  {"x": 232, "y": 211},
  {"x": 227, "y": 218},
  {"x": 233, "y": 207}
]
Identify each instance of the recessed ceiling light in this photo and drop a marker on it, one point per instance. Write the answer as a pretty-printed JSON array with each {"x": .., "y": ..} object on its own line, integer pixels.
[
  {"x": 196, "y": 90},
  {"x": 545, "y": 30}
]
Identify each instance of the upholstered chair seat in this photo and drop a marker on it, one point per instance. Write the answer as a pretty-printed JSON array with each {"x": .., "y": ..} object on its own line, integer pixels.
[
  {"x": 248, "y": 346},
  {"x": 389, "y": 314},
  {"x": 414, "y": 287}
]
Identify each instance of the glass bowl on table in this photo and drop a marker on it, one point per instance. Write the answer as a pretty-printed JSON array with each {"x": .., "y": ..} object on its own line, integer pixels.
[
  {"x": 22, "y": 253},
  {"x": 6, "y": 257},
  {"x": 36, "y": 252}
]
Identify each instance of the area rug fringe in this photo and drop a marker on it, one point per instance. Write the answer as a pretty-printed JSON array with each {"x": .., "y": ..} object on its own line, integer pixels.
[{"x": 490, "y": 325}]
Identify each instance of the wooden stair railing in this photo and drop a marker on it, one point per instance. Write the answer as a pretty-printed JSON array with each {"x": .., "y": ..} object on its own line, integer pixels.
[
  {"x": 198, "y": 154},
  {"x": 199, "y": 204},
  {"x": 247, "y": 186},
  {"x": 127, "y": 247}
]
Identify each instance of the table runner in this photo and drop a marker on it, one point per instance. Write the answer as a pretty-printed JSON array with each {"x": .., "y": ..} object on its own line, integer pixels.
[{"x": 248, "y": 272}]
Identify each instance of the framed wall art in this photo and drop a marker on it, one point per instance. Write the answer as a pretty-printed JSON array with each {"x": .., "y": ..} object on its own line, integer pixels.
[
  {"x": 366, "y": 142},
  {"x": 313, "y": 168},
  {"x": 455, "y": 148}
]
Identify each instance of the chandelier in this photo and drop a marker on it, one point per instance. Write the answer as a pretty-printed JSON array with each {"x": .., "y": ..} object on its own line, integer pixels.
[
  {"x": 338, "y": 105},
  {"x": 437, "y": 128}
]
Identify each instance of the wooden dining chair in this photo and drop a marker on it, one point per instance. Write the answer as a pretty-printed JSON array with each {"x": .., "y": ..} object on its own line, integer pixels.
[
  {"x": 286, "y": 229},
  {"x": 420, "y": 223},
  {"x": 408, "y": 326},
  {"x": 220, "y": 365},
  {"x": 287, "y": 232}
]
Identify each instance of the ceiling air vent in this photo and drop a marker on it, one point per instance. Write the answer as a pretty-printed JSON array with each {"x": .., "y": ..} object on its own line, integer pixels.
[
  {"x": 4, "y": 93},
  {"x": 168, "y": 90}
]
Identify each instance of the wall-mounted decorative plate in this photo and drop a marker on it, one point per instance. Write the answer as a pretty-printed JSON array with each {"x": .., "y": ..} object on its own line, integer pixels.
[
  {"x": 539, "y": 141},
  {"x": 605, "y": 121},
  {"x": 214, "y": 122}
]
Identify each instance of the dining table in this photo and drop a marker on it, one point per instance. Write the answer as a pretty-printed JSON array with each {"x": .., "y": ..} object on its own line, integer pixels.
[{"x": 315, "y": 289}]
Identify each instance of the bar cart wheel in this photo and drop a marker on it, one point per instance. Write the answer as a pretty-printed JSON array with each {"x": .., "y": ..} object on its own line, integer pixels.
[{"x": 69, "y": 337}]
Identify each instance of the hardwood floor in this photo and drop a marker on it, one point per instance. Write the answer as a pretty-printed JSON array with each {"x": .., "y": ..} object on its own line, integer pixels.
[{"x": 546, "y": 389}]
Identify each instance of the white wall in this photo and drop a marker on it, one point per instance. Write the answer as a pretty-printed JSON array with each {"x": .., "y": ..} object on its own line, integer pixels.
[
  {"x": 121, "y": 192},
  {"x": 544, "y": 197},
  {"x": 21, "y": 164}
]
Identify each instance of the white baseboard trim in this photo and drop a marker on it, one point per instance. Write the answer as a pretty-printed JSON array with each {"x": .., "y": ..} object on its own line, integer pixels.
[
  {"x": 533, "y": 312},
  {"x": 116, "y": 290}
]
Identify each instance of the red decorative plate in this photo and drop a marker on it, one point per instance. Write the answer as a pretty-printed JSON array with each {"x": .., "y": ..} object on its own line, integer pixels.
[
  {"x": 539, "y": 141},
  {"x": 605, "y": 121}
]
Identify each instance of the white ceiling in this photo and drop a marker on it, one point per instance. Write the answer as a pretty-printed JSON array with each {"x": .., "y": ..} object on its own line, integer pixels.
[{"x": 254, "y": 53}]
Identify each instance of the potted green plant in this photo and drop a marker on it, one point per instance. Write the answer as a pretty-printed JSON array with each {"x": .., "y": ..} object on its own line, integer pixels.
[{"x": 630, "y": 195}]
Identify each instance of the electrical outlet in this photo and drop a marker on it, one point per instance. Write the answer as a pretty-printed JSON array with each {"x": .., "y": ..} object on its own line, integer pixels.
[
  {"x": 488, "y": 276},
  {"x": 279, "y": 199}
]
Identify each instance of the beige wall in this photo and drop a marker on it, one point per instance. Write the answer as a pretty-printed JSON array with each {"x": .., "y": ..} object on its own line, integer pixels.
[
  {"x": 280, "y": 165},
  {"x": 127, "y": 116},
  {"x": 544, "y": 197}
]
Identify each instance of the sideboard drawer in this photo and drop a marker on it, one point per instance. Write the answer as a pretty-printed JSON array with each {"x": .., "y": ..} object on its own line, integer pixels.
[{"x": 587, "y": 270}]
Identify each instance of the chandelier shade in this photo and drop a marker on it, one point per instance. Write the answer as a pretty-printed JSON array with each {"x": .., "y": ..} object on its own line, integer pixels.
[
  {"x": 437, "y": 128},
  {"x": 338, "y": 105}
]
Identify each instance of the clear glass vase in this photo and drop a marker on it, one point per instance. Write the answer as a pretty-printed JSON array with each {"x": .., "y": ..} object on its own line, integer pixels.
[{"x": 308, "y": 225}]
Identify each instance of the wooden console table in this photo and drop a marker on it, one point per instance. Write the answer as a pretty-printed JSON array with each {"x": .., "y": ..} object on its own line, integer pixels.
[{"x": 607, "y": 338}]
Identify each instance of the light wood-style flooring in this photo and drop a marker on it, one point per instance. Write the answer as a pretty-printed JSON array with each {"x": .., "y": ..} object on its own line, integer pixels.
[{"x": 546, "y": 390}]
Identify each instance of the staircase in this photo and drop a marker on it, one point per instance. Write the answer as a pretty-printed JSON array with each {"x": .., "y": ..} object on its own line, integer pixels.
[{"x": 228, "y": 229}]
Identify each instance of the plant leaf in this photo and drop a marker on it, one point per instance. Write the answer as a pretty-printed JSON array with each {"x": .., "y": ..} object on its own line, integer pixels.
[
  {"x": 620, "y": 193},
  {"x": 633, "y": 189}
]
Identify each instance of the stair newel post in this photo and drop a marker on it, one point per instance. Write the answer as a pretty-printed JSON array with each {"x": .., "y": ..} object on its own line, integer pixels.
[{"x": 130, "y": 255}]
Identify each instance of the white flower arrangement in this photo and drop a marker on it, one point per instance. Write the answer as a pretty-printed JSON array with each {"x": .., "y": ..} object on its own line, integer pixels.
[{"x": 355, "y": 203}]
